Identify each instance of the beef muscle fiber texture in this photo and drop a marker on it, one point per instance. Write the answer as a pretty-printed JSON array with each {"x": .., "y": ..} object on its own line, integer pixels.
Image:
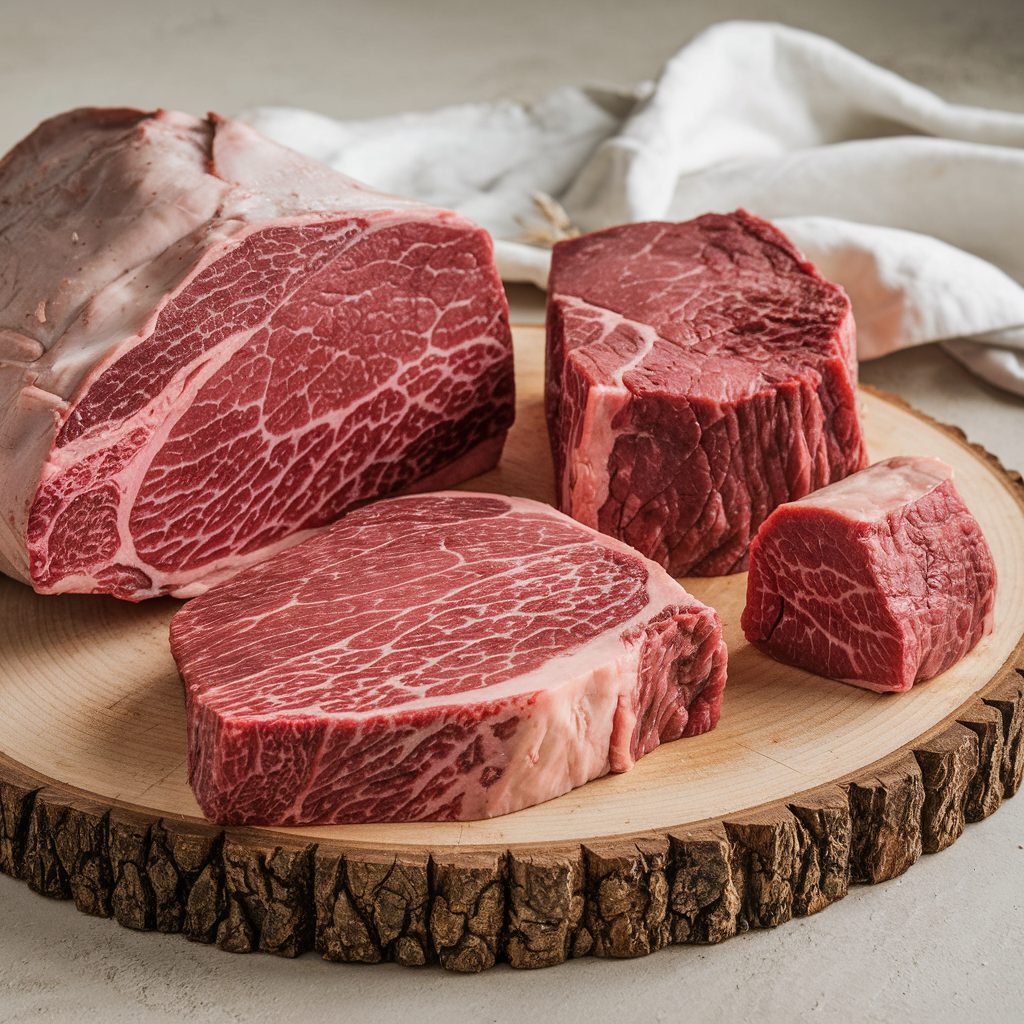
[
  {"x": 211, "y": 345},
  {"x": 698, "y": 374},
  {"x": 882, "y": 579},
  {"x": 437, "y": 657}
]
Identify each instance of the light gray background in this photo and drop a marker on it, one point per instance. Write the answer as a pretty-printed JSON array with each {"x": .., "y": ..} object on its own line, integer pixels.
[{"x": 942, "y": 943}]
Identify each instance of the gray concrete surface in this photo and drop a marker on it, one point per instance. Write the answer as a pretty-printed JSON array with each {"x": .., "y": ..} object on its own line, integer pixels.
[{"x": 942, "y": 943}]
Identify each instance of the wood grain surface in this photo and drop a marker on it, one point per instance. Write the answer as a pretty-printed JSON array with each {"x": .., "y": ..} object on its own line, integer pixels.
[{"x": 806, "y": 785}]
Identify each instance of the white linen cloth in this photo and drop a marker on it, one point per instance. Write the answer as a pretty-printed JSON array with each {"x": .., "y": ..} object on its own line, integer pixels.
[{"x": 914, "y": 205}]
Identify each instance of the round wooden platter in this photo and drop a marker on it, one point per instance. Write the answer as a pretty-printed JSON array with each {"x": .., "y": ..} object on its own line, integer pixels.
[{"x": 805, "y": 786}]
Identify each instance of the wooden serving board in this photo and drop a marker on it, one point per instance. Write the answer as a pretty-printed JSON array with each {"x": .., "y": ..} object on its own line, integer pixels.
[{"x": 805, "y": 785}]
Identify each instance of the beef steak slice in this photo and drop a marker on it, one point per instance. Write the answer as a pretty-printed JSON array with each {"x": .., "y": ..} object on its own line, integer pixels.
[
  {"x": 698, "y": 375},
  {"x": 882, "y": 579},
  {"x": 211, "y": 345},
  {"x": 437, "y": 657}
]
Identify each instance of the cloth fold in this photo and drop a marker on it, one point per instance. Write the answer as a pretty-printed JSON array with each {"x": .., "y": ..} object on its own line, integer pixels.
[{"x": 914, "y": 205}]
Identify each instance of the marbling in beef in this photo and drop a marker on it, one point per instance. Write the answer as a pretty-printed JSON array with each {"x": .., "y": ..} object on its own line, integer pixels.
[
  {"x": 210, "y": 345},
  {"x": 698, "y": 375},
  {"x": 882, "y": 579},
  {"x": 437, "y": 657}
]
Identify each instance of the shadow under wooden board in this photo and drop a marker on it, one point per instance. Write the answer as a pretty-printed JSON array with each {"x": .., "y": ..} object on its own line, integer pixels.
[{"x": 805, "y": 785}]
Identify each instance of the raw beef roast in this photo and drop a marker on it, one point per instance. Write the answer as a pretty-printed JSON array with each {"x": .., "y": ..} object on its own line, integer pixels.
[
  {"x": 437, "y": 657},
  {"x": 698, "y": 375},
  {"x": 881, "y": 580},
  {"x": 210, "y": 344}
]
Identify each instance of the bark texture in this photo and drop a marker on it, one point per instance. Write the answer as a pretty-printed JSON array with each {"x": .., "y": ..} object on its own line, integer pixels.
[
  {"x": 627, "y": 907},
  {"x": 985, "y": 792},
  {"x": 1007, "y": 697},
  {"x": 704, "y": 897},
  {"x": 467, "y": 916},
  {"x": 949, "y": 763},
  {"x": 885, "y": 818},
  {"x": 545, "y": 906}
]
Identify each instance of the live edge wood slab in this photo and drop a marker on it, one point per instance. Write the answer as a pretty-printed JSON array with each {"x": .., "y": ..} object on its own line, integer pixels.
[{"x": 805, "y": 787}]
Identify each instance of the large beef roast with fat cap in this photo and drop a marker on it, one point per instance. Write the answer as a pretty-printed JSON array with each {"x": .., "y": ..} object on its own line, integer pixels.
[{"x": 211, "y": 345}]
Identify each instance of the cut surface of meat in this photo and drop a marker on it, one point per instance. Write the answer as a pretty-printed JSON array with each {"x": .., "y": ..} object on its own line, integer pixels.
[
  {"x": 882, "y": 579},
  {"x": 211, "y": 346},
  {"x": 446, "y": 656},
  {"x": 698, "y": 374}
]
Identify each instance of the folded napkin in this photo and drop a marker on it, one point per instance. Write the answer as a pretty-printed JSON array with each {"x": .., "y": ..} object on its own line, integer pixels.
[{"x": 914, "y": 205}]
